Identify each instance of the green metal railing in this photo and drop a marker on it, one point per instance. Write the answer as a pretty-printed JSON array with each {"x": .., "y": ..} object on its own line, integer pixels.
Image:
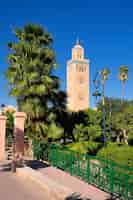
[{"x": 105, "y": 174}]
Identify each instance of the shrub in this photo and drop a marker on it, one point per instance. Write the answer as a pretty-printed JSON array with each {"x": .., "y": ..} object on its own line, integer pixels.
[
  {"x": 89, "y": 147},
  {"x": 121, "y": 154}
]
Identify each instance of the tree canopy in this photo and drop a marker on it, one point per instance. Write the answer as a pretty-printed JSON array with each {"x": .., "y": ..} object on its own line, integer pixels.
[{"x": 31, "y": 79}]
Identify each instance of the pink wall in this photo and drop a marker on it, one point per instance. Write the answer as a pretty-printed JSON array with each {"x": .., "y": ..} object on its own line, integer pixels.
[
  {"x": 19, "y": 119},
  {"x": 2, "y": 136}
]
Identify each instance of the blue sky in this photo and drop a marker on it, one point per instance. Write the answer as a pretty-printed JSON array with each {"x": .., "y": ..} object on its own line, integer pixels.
[{"x": 105, "y": 29}]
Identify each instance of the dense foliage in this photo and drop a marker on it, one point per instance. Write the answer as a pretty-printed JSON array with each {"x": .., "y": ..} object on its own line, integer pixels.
[
  {"x": 9, "y": 125},
  {"x": 31, "y": 79},
  {"x": 119, "y": 120},
  {"x": 121, "y": 154}
]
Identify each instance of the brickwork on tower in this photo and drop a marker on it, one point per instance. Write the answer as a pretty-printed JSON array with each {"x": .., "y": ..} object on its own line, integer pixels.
[{"x": 78, "y": 80}]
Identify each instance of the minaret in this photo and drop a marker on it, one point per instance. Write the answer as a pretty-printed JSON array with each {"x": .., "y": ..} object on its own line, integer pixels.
[{"x": 78, "y": 80}]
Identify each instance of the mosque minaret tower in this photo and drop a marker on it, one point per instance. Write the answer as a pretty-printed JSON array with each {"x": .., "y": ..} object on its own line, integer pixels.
[{"x": 78, "y": 80}]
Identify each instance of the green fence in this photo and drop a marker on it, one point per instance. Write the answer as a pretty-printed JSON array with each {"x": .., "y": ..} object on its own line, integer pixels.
[{"x": 105, "y": 174}]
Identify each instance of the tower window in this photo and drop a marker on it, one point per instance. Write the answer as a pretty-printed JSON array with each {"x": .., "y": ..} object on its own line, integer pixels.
[{"x": 80, "y": 68}]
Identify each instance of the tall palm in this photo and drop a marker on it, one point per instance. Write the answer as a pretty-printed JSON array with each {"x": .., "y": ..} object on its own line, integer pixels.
[
  {"x": 123, "y": 77},
  {"x": 104, "y": 77}
]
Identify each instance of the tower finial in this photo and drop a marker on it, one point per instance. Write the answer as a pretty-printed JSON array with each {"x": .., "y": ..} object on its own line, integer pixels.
[{"x": 77, "y": 41}]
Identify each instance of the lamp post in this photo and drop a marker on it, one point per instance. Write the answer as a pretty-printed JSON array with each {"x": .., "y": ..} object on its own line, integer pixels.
[
  {"x": 103, "y": 112},
  {"x": 99, "y": 96},
  {"x": 99, "y": 84},
  {"x": 96, "y": 82}
]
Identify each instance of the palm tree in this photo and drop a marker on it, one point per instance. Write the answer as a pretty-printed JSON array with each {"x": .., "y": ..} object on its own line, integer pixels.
[
  {"x": 30, "y": 75},
  {"x": 104, "y": 73},
  {"x": 123, "y": 77},
  {"x": 104, "y": 77}
]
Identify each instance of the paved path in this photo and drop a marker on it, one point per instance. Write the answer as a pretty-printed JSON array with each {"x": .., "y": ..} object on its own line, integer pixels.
[
  {"x": 76, "y": 185},
  {"x": 14, "y": 188}
]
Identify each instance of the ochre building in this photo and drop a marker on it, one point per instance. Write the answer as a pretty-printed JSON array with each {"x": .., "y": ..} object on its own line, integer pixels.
[{"x": 78, "y": 80}]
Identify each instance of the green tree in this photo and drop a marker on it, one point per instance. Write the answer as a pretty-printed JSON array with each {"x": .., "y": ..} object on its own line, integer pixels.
[
  {"x": 31, "y": 79},
  {"x": 86, "y": 131},
  {"x": 92, "y": 117},
  {"x": 121, "y": 154},
  {"x": 123, "y": 125},
  {"x": 123, "y": 77},
  {"x": 9, "y": 125},
  {"x": 80, "y": 133},
  {"x": 86, "y": 125},
  {"x": 94, "y": 132},
  {"x": 55, "y": 132},
  {"x": 118, "y": 119}
]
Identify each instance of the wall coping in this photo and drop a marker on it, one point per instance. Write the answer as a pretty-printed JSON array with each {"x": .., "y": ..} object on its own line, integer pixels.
[
  {"x": 3, "y": 117},
  {"x": 19, "y": 115}
]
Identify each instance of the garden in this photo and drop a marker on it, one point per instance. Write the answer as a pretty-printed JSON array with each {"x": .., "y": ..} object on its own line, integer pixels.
[{"x": 103, "y": 135}]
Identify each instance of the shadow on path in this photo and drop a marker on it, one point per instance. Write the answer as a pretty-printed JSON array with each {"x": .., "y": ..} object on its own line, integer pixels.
[
  {"x": 112, "y": 197},
  {"x": 76, "y": 196},
  {"x": 5, "y": 167},
  {"x": 35, "y": 164}
]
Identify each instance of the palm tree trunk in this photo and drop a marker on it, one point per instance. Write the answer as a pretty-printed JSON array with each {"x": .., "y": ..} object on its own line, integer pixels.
[
  {"x": 103, "y": 104},
  {"x": 125, "y": 136},
  {"x": 103, "y": 97},
  {"x": 122, "y": 91}
]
